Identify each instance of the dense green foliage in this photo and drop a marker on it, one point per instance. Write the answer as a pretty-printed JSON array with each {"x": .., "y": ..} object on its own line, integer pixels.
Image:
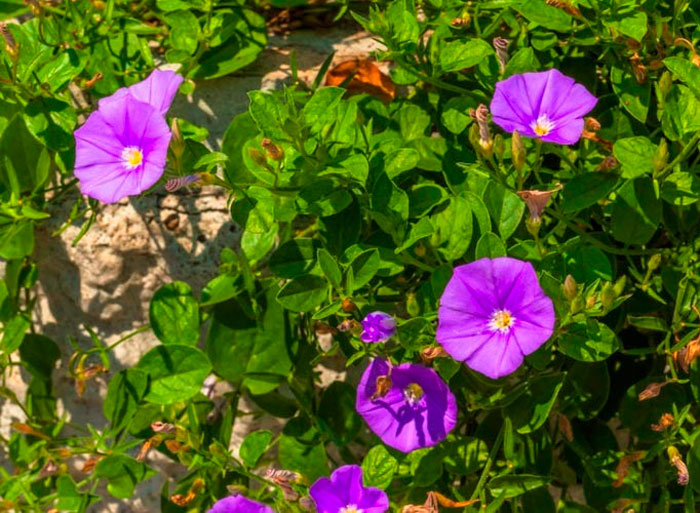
[{"x": 365, "y": 205}]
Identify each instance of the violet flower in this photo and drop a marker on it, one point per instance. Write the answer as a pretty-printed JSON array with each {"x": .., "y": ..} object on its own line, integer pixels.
[
  {"x": 547, "y": 105},
  {"x": 407, "y": 406},
  {"x": 239, "y": 504},
  {"x": 344, "y": 493},
  {"x": 121, "y": 149},
  {"x": 378, "y": 327},
  {"x": 493, "y": 313}
]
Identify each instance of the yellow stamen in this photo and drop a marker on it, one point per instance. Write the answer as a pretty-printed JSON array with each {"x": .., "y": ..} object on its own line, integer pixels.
[
  {"x": 132, "y": 157},
  {"x": 501, "y": 320}
]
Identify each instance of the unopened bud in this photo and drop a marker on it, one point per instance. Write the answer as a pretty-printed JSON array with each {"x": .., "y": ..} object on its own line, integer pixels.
[
  {"x": 570, "y": 287},
  {"x": 177, "y": 142},
  {"x": 676, "y": 460},
  {"x": 412, "y": 306},
  {"x": 652, "y": 390},
  {"x": 576, "y": 305},
  {"x": 619, "y": 286},
  {"x": 258, "y": 157},
  {"x": 661, "y": 157},
  {"x": 654, "y": 262},
  {"x": 273, "y": 151},
  {"x": 607, "y": 295},
  {"x": 347, "y": 305},
  {"x": 500, "y": 44},
  {"x": 481, "y": 140},
  {"x": 533, "y": 225},
  {"x": 665, "y": 85},
  {"x": 499, "y": 146},
  {"x": 518, "y": 151},
  {"x": 11, "y": 46}
]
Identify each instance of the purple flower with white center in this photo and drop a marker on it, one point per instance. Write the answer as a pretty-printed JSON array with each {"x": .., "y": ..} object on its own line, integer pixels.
[
  {"x": 547, "y": 105},
  {"x": 413, "y": 408},
  {"x": 239, "y": 504},
  {"x": 378, "y": 327},
  {"x": 121, "y": 149},
  {"x": 493, "y": 313},
  {"x": 344, "y": 493}
]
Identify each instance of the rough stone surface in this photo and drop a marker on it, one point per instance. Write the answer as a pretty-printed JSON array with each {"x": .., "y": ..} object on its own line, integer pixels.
[{"x": 106, "y": 280}]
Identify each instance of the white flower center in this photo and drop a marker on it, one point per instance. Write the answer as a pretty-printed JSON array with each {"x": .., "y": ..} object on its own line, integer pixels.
[
  {"x": 501, "y": 320},
  {"x": 542, "y": 126},
  {"x": 350, "y": 508},
  {"x": 132, "y": 157}
]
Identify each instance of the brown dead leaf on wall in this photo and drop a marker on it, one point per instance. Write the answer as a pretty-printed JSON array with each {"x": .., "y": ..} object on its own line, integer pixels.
[{"x": 366, "y": 78}]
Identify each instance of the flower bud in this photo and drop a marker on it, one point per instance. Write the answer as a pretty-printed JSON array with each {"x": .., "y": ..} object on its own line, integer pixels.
[
  {"x": 661, "y": 157},
  {"x": 484, "y": 142},
  {"x": 518, "y": 151},
  {"x": 665, "y": 84},
  {"x": 499, "y": 146},
  {"x": 348, "y": 306},
  {"x": 570, "y": 287},
  {"x": 619, "y": 286},
  {"x": 11, "y": 46},
  {"x": 412, "y": 306},
  {"x": 607, "y": 295},
  {"x": 533, "y": 225},
  {"x": 500, "y": 44},
  {"x": 576, "y": 305},
  {"x": 654, "y": 262},
  {"x": 177, "y": 142}
]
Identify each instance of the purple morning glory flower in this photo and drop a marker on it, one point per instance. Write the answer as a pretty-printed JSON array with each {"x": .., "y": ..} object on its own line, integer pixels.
[
  {"x": 158, "y": 90},
  {"x": 239, "y": 504},
  {"x": 492, "y": 314},
  {"x": 546, "y": 105},
  {"x": 121, "y": 149},
  {"x": 378, "y": 327},
  {"x": 344, "y": 493},
  {"x": 411, "y": 409}
]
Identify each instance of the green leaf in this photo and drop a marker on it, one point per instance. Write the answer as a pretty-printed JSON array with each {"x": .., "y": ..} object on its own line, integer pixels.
[
  {"x": 39, "y": 355},
  {"x": 400, "y": 161},
  {"x": 586, "y": 190},
  {"x": 329, "y": 266},
  {"x": 681, "y": 113},
  {"x": 174, "y": 314},
  {"x": 248, "y": 39},
  {"x": 531, "y": 408},
  {"x": 490, "y": 245},
  {"x": 506, "y": 208},
  {"x": 453, "y": 228},
  {"x": 321, "y": 108},
  {"x": 413, "y": 122},
  {"x": 379, "y": 467},
  {"x": 293, "y": 258},
  {"x": 176, "y": 372},
  {"x": 589, "y": 341},
  {"x": 419, "y": 231},
  {"x": 632, "y": 25},
  {"x": 254, "y": 446},
  {"x": 303, "y": 293},
  {"x": 537, "y": 11},
  {"x": 260, "y": 230},
  {"x": 685, "y": 71},
  {"x": 124, "y": 393},
  {"x": 337, "y": 413},
  {"x": 308, "y": 459},
  {"x": 587, "y": 263},
  {"x": 13, "y": 333},
  {"x": 455, "y": 113},
  {"x": 268, "y": 113},
  {"x": 634, "y": 97},
  {"x": 24, "y": 163},
  {"x": 16, "y": 240},
  {"x": 184, "y": 30},
  {"x": 389, "y": 206},
  {"x": 52, "y": 122},
  {"x": 364, "y": 266},
  {"x": 636, "y": 154},
  {"x": 522, "y": 61},
  {"x": 457, "y": 55},
  {"x": 636, "y": 212},
  {"x": 404, "y": 25},
  {"x": 122, "y": 473},
  {"x": 514, "y": 485},
  {"x": 681, "y": 189},
  {"x": 464, "y": 455},
  {"x": 586, "y": 389},
  {"x": 220, "y": 289},
  {"x": 61, "y": 69}
]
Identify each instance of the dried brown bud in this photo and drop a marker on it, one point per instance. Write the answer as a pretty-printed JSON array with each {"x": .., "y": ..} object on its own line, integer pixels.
[
  {"x": 652, "y": 390},
  {"x": 623, "y": 466},
  {"x": 676, "y": 460},
  {"x": 29, "y": 430},
  {"x": 89, "y": 84},
  {"x": 347, "y": 325},
  {"x": 258, "y": 157},
  {"x": 307, "y": 504},
  {"x": 500, "y": 44},
  {"x": 11, "y": 46},
  {"x": 383, "y": 387},
  {"x": 149, "y": 444},
  {"x": 591, "y": 124},
  {"x": 284, "y": 479},
  {"x": 428, "y": 354},
  {"x": 686, "y": 356},
  {"x": 665, "y": 422},
  {"x": 536, "y": 201},
  {"x": 638, "y": 69},
  {"x": 49, "y": 469},
  {"x": 565, "y": 427},
  {"x": 694, "y": 58},
  {"x": 163, "y": 427},
  {"x": 609, "y": 163},
  {"x": 348, "y": 306},
  {"x": 273, "y": 151},
  {"x": 89, "y": 465},
  {"x": 565, "y": 6}
]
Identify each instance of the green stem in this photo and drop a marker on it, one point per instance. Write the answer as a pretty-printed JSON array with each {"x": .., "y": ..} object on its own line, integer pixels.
[
  {"x": 538, "y": 160},
  {"x": 489, "y": 463},
  {"x": 680, "y": 157}
]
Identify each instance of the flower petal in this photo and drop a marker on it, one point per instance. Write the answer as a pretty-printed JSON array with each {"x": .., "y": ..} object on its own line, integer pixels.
[
  {"x": 569, "y": 133},
  {"x": 158, "y": 90}
]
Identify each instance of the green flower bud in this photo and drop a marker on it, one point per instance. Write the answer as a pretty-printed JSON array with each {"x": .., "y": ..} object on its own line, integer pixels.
[
  {"x": 570, "y": 287},
  {"x": 518, "y": 151}
]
